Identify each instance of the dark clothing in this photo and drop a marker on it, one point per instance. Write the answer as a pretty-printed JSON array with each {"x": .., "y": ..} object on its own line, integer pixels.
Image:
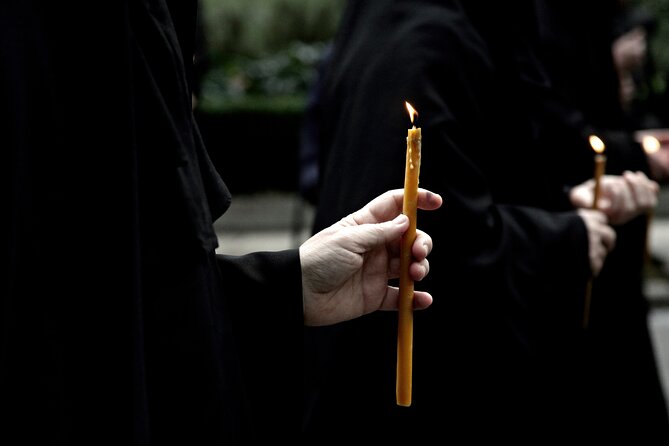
[
  {"x": 574, "y": 44},
  {"x": 118, "y": 323},
  {"x": 510, "y": 257},
  {"x": 619, "y": 383}
]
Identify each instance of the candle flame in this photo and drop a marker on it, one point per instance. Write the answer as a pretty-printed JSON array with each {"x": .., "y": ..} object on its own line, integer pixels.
[
  {"x": 650, "y": 144},
  {"x": 412, "y": 111},
  {"x": 597, "y": 144}
]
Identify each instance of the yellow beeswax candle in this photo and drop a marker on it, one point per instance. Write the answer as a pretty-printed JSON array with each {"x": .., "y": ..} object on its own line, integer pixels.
[
  {"x": 405, "y": 309},
  {"x": 600, "y": 166}
]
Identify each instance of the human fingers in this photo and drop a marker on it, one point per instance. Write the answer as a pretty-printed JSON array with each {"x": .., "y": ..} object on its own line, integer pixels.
[
  {"x": 598, "y": 251},
  {"x": 420, "y": 249},
  {"x": 428, "y": 200},
  {"x": 644, "y": 191},
  {"x": 601, "y": 237},
  {"x": 601, "y": 247},
  {"x": 596, "y": 221},
  {"x": 607, "y": 236},
  {"x": 617, "y": 200},
  {"x": 363, "y": 238},
  {"x": 581, "y": 195},
  {"x": 389, "y": 204},
  {"x": 422, "y": 246},
  {"x": 421, "y": 299},
  {"x": 419, "y": 270}
]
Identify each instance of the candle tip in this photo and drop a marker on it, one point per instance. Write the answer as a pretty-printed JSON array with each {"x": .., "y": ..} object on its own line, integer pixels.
[
  {"x": 596, "y": 143},
  {"x": 651, "y": 144},
  {"x": 412, "y": 111}
]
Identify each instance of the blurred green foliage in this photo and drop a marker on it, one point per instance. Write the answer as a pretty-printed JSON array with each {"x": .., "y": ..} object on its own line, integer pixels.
[
  {"x": 660, "y": 41},
  {"x": 282, "y": 77},
  {"x": 263, "y": 53},
  {"x": 257, "y": 27},
  {"x": 650, "y": 107}
]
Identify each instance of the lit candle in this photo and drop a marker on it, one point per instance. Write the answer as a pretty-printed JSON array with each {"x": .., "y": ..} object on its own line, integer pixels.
[
  {"x": 405, "y": 306},
  {"x": 651, "y": 144},
  {"x": 600, "y": 166}
]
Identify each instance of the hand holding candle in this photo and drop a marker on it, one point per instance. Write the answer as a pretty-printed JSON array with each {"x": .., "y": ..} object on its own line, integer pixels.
[
  {"x": 600, "y": 166},
  {"x": 405, "y": 315}
]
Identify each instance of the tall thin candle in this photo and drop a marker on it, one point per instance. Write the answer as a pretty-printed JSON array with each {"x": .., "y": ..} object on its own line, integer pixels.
[
  {"x": 405, "y": 318},
  {"x": 600, "y": 166}
]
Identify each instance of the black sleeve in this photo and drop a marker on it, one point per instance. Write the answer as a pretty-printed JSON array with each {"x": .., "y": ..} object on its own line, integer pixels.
[
  {"x": 264, "y": 296},
  {"x": 265, "y": 283}
]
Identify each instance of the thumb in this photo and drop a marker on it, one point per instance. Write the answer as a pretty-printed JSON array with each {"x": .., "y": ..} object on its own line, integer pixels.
[
  {"x": 372, "y": 235},
  {"x": 604, "y": 204}
]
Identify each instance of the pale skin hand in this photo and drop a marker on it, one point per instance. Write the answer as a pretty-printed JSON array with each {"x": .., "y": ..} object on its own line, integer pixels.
[
  {"x": 601, "y": 238},
  {"x": 659, "y": 163},
  {"x": 629, "y": 52},
  {"x": 622, "y": 197},
  {"x": 346, "y": 267}
]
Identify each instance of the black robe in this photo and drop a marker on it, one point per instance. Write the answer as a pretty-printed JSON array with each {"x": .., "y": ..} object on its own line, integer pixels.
[
  {"x": 510, "y": 255},
  {"x": 118, "y": 323},
  {"x": 575, "y": 46}
]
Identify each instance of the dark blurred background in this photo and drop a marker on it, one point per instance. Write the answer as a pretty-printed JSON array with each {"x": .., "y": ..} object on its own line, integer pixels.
[
  {"x": 256, "y": 63},
  {"x": 257, "y": 60}
]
